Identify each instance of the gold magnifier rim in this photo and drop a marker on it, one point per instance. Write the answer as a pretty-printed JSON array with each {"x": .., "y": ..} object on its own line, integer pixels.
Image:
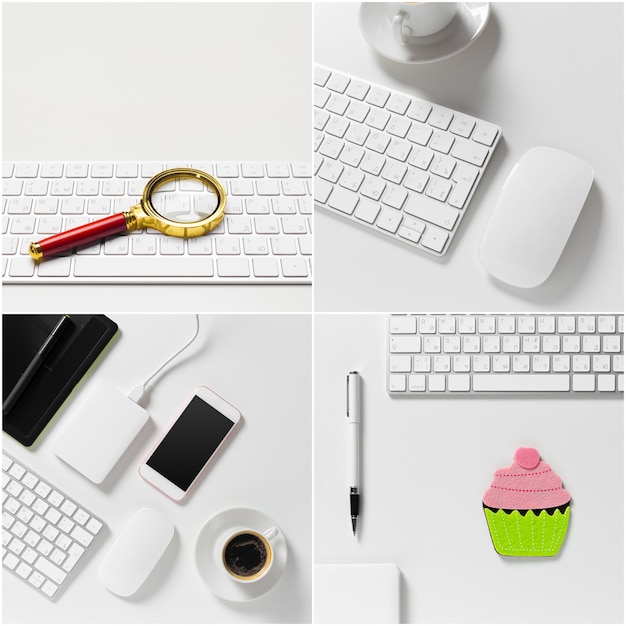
[{"x": 153, "y": 219}]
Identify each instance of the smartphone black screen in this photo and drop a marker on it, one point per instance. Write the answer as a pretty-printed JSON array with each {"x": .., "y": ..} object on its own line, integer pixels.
[{"x": 189, "y": 444}]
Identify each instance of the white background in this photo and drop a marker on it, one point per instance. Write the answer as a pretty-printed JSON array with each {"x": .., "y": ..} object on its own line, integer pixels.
[
  {"x": 262, "y": 365},
  {"x": 157, "y": 81},
  {"x": 426, "y": 463},
  {"x": 139, "y": 81},
  {"x": 547, "y": 74}
]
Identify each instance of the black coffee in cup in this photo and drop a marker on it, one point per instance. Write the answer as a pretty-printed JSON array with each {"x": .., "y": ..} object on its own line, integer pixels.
[{"x": 247, "y": 555}]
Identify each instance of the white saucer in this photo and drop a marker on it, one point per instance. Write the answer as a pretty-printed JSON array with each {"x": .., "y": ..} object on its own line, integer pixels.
[
  {"x": 216, "y": 579},
  {"x": 468, "y": 23}
]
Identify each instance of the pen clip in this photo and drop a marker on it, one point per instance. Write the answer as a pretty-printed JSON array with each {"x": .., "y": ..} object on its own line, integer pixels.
[{"x": 348, "y": 395}]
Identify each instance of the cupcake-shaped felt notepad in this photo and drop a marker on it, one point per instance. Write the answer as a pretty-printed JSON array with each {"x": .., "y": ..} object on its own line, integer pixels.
[{"x": 526, "y": 507}]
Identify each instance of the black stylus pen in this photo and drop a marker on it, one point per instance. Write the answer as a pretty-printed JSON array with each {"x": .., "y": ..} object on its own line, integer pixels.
[
  {"x": 354, "y": 420},
  {"x": 35, "y": 364}
]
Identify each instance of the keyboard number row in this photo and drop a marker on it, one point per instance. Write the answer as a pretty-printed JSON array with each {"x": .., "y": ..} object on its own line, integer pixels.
[{"x": 506, "y": 324}]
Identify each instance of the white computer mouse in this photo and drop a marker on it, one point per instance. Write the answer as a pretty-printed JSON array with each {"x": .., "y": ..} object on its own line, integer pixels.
[
  {"x": 533, "y": 219},
  {"x": 136, "y": 551}
]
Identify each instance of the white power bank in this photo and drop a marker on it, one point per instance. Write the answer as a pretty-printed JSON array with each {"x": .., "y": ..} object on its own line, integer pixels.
[{"x": 99, "y": 430}]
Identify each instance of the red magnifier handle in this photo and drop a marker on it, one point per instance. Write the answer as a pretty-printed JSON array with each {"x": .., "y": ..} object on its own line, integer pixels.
[{"x": 79, "y": 236}]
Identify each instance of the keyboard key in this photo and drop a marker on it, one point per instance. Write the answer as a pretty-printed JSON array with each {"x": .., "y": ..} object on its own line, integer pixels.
[
  {"x": 400, "y": 363},
  {"x": 294, "y": 267},
  {"x": 322, "y": 190},
  {"x": 321, "y": 75},
  {"x": 138, "y": 267},
  {"x": 343, "y": 200},
  {"x": 102, "y": 170},
  {"x": 127, "y": 170},
  {"x": 265, "y": 267},
  {"x": 400, "y": 324},
  {"x": 404, "y": 344},
  {"x": 23, "y": 225},
  {"x": 81, "y": 535},
  {"x": 77, "y": 170},
  {"x": 435, "y": 239},
  {"x": 49, "y": 588},
  {"x": 233, "y": 267},
  {"x": 26, "y": 170},
  {"x": 74, "y": 554},
  {"x": 462, "y": 126},
  {"x": 397, "y": 382},
  {"x": 17, "y": 471},
  {"x": 11, "y": 187},
  {"x": 94, "y": 526},
  {"x": 440, "y": 118},
  {"x": 432, "y": 211},
  {"x": 389, "y": 220},
  {"x": 459, "y": 382},
  {"x": 521, "y": 382},
  {"x": 367, "y": 211},
  {"x": 583, "y": 382},
  {"x": 417, "y": 382},
  {"x": 485, "y": 133},
  {"x": 470, "y": 152},
  {"x": 436, "y": 382},
  {"x": 52, "y": 515},
  {"x": 606, "y": 382},
  {"x": 23, "y": 570},
  {"x": 50, "y": 570},
  {"x": 606, "y": 324}
]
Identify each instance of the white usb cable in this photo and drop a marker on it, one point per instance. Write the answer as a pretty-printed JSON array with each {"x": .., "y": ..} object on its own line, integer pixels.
[{"x": 137, "y": 393}]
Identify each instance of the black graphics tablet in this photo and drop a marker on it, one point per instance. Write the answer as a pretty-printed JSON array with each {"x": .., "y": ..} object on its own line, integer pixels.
[{"x": 77, "y": 348}]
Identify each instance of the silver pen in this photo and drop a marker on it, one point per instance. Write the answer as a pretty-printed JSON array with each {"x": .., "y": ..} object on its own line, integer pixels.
[{"x": 354, "y": 421}]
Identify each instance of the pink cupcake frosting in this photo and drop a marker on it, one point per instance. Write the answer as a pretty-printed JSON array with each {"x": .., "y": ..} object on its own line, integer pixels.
[{"x": 528, "y": 483}]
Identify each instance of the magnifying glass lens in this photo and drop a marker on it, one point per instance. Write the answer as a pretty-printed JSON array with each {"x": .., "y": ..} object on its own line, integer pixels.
[{"x": 184, "y": 200}]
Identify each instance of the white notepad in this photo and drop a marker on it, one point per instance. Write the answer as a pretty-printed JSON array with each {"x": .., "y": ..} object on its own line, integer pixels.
[{"x": 357, "y": 594}]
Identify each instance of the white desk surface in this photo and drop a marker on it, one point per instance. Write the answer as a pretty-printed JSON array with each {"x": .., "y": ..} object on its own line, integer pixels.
[
  {"x": 425, "y": 466},
  {"x": 262, "y": 365},
  {"x": 150, "y": 81},
  {"x": 547, "y": 74}
]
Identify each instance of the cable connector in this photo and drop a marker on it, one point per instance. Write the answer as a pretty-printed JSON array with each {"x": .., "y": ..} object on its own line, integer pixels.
[{"x": 137, "y": 393}]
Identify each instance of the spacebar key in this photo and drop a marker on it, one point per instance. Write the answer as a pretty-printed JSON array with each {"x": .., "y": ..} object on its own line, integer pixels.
[
  {"x": 520, "y": 382},
  {"x": 139, "y": 267}
]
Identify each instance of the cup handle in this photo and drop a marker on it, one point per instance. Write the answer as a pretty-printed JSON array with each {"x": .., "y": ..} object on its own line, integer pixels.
[
  {"x": 270, "y": 533},
  {"x": 397, "y": 26}
]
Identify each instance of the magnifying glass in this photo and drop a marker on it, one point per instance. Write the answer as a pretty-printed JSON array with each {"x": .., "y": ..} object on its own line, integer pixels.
[{"x": 182, "y": 202}]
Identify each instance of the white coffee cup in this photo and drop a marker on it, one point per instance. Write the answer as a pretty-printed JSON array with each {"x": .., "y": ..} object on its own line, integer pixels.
[
  {"x": 247, "y": 554},
  {"x": 418, "y": 19}
]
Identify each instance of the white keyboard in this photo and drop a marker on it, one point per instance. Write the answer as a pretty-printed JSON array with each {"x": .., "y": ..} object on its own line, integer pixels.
[
  {"x": 485, "y": 353},
  {"x": 401, "y": 166},
  {"x": 45, "y": 534},
  {"x": 265, "y": 236}
]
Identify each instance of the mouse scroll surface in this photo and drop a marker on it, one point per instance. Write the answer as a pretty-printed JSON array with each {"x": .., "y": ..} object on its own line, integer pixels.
[
  {"x": 136, "y": 552},
  {"x": 538, "y": 207}
]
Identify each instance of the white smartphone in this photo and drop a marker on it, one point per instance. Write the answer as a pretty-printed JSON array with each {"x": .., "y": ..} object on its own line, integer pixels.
[{"x": 177, "y": 460}]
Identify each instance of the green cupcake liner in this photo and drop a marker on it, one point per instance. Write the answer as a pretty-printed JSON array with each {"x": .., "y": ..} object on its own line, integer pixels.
[{"x": 514, "y": 534}]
